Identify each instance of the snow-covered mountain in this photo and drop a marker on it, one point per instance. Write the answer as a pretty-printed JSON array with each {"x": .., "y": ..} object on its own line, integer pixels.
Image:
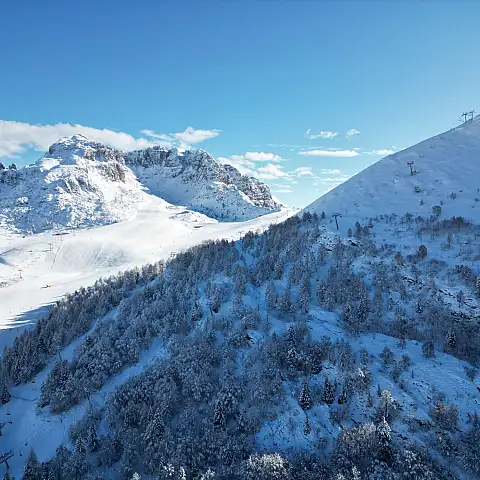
[
  {"x": 193, "y": 178},
  {"x": 446, "y": 172},
  {"x": 80, "y": 183}
]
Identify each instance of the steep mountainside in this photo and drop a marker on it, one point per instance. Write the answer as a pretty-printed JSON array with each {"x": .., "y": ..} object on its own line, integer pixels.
[
  {"x": 295, "y": 354},
  {"x": 193, "y": 178},
  {"x": 82, "y": 183}
]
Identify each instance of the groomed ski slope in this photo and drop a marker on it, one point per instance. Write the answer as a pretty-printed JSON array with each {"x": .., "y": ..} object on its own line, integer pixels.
[{"x": 39, "y": 269}]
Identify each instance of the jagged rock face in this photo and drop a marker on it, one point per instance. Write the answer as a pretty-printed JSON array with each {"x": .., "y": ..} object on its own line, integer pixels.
[
  {"x": 80, "y": 183},
  {"x": 194, "y": 179}
]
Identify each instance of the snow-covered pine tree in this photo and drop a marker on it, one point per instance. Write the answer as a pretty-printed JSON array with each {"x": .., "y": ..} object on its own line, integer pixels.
[
  {"x": 270, "y": 296},
  {"x": 307, "y": 428},
  {"x": 285, "y": 303},
  {"x": 92, "y": 439},
  {"x": 305, "y": 400},
  {"x": 451, "y": 340},
  {"x": 428, "y": 349},
  {"x": 219, "y": 420},
  {"x": 328, "y": 393},
  {"x": 32, "y": 467},
  {"x": 79, "y": 459},
  {"x": 4, "y": 393},
  {"x": 385, "y": 452}
]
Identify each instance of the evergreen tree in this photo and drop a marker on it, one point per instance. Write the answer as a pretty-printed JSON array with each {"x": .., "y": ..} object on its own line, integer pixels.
[
  {"x": 451, "y": 340},
  {"x": 79, "y": 459},
  {"x": 385, "y": 452},
  {"x": 328, "y": 393},
  {"x": 7, "y": 476},
  {"x": 4, "y": 393},
  {"x": 92, "y": 439},
  {"x": 291, "y": 336},
  {"x": 321, "y": 255},
  {"x": 315, "y": 365},
  {"x": 305, "y": 398},
  {"x": 32, "y": 467},
  {"x": 304, "y": 294},
  {"x": 285, "y": 302},
  {"x": 270, "y": 295},
  {"x": 219, "y": 420},
  {"x": 307, "y": 428},
  {"x": 292, "y": 359},
  {"x": 428, "y": 349},
  {"x": 422, "y": 252}
]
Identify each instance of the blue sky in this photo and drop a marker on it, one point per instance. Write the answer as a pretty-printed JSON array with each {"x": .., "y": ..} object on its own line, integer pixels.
[{"x": 244, "y": 80}]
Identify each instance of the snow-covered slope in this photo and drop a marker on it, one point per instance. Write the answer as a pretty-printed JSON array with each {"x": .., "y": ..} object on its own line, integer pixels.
[
  {"x": 446, "y": 173},
  {"x": 193, "y": 178},
  {"x": 81, "y": 183},
  {"x": 77, "y": 183}
]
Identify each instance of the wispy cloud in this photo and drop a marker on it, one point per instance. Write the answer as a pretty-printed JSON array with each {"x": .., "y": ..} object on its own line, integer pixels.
[
  {"x": 190, "y": 136},
  {"x": 330, "y": 153},
  {"x": 279, "y": 188},
  {"x": 322, "y": 134},
  {"x": 18, "y": 137},
  {"x": 303, "y": 171},
  {"x": 352, "y": 132},
  {"x": 272, "y": 171},
  {"x": 383, "y": 153},
  {"x": 330, "y": 171},
  {"x": 262, "y": 157},
  {"x": 247, "y": 163}
]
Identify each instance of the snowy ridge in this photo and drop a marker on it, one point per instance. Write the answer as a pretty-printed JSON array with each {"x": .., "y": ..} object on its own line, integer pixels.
[
  {"x": 193, "y": 178},
  {"x": 443, "y": 165},
  {"x": 81, "y": 183}
]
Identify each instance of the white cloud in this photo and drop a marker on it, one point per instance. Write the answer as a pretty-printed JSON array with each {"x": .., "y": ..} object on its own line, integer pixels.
[
  {"x": 324, "y": 180},
  {"x": 330, "y": 153},
  {"x": 262, "y": 157},
  {"x": 330, "y": 171},
  {"x": 17, "y": 137},
  {"x": 352, "y": 132},
  {"x": 285, "y": 189},
  {"x": 184, "y": 139},
  {"x": 271, "y": 171},
  {"x": 304, "y": 171},
  {"x": 326, "y": 135},
  {"x": 383, "y": 153},
  {"x": 245, "y": 163}
]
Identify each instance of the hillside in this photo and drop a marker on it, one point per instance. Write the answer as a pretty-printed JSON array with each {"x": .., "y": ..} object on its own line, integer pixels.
[
  {"x": 447, "y": 170},
  {"x": 297, "y": 352},
  {"x": 81, "y": 183}
]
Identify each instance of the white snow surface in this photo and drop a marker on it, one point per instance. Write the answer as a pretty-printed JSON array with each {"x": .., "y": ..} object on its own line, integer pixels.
[
  {"x": 446, "y": 163},
  {"x": 38, "y": 269}
]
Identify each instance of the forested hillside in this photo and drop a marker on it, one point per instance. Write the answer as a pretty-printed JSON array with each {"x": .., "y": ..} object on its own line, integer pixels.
[{"x": 292, "y": 354}]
